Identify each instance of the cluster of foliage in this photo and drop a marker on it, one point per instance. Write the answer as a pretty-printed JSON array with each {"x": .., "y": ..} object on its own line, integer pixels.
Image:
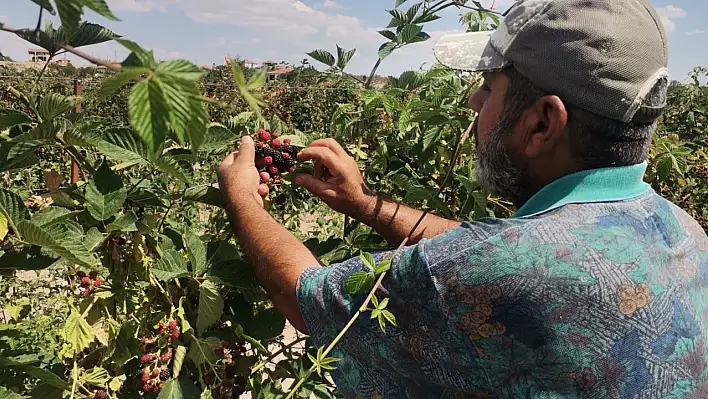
[{"x": 176, "y": 313}]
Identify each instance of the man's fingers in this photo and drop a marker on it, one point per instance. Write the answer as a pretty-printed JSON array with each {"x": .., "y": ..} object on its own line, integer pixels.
[
  {"x": 330, "y": 143},
  {"x": 318, "y": 187},
  {"x": 323, "y": 155},
  {"x": 247, "y": 152}
]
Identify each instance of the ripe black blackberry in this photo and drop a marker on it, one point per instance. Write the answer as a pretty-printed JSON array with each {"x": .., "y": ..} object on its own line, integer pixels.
[
  {"x": 278, "y": 158},
  {"x": 164, "y": 375},
  {"x": 289, "y": 149},
  {"x": 268, "y": 151},
  {"x": 289, "y": 162}
]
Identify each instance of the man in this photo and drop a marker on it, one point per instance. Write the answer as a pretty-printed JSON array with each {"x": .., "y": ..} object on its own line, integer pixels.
[{"x": 595, "y": 288}]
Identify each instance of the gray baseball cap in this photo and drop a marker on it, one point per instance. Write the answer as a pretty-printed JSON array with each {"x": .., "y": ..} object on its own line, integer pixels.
[{"x": 604, "y": 56}]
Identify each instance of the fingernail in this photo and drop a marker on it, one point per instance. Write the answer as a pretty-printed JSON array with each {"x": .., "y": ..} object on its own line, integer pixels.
[{"x": 246, "y": 140}]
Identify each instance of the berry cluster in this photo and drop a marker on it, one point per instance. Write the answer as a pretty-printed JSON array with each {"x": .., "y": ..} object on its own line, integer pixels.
[
  {"x": 274, "y": 157},
  {"x": 232, "y": 385},
  {"x": 155, "y": 359},
  {"x": 89, "y": 282}
]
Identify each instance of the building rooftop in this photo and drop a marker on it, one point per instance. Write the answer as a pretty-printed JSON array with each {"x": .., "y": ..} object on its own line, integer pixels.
[{"x": 37, "y": 50}]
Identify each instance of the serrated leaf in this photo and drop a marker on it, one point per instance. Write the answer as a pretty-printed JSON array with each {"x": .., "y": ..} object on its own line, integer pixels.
[
  {"x": 10, "y": 118},
  {"x": 211, "y": 305},
  {"x": 173, "y": 168},
  {"x": 70, "y": 14},
  {"x": 359, "y": 282},
  {"x": 121, "y": 144},
  {"x": 149, "y": 113},
  {"x": 184, "y": 323},
  {"x": 170, "y": 266},
  {"x": 116, "y": 383},
  {"x": 178, "y": 359},
  {"x": 93, "y": 239},
  {"x": 179, "y": 389},
  {"x": 88, "y": 34},
  {"x": 139, "y": 57},
  {"x": 73, "y": 250},
  {"x": 124, "y": 222},
  {"x": 12, "y": 208},
  {"x": 181, "y": 70},
  {"x": 99, "y": 7},
  {"x": 409, "y": 33},
  {"x": 100, "y": 330},
  {"x": 97, "y": 376},
  {"x": 322, "y": 56},
  {"x": 368, "y": 260},
  {"x": 77, "y": 333},
  {"x": 105, "y": 193},
  {"x": 27, "y": 258},
  {"x": 388, "y": 34},
  {"x": 202, "y": 350},
  {"x": 386, "y": 49},
  {"x": 258, "y": 79},
  {"x": 206, "y": 194},
  {"x": 196, "y": 250},
  {"x": 7, "y": 394},
  {"x": 343, "y": 57},
  {"x": 120, "y": 79}
]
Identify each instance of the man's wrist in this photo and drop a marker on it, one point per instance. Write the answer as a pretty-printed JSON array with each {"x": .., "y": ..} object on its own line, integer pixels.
[
  {"x": 365, "y": 209},
  {"x": 239, "y": 205}
]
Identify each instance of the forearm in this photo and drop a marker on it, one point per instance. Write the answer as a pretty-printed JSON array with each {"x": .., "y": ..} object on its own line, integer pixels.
[
  {"x": 277, "y": 257},
  {"x": 394, "y": 221}
]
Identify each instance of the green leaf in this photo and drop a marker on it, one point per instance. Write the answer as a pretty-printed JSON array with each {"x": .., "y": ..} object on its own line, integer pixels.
[
  {"x": 123, "y": 145},
  {"x": 105, "y": 193},
  {"x": 343, "y": 57},
  {"x": 7, "y": 394},
  {"x": 27, "y": 258},
  {"x": 124, "y": 222},
  {"x": 139, "y": 57},
  {"x": 97, "y": 376},
  {"x": 99, "y": 7},
  {"x": 211, "y": 305},
  {"x": 120, "y": 79},
  {"x": 202, "y": 350},
  {"x": 12, "y": 208},
  {"x": 60, "y": 242},
  {"x": 382, "y": 267},
  {"x": 10, "y": 118},
  {"x": 388, "y": 34},
  {"x": 322, "y": 56},
  {"x": 182, "y": 70},
  {"x": 178, "y": 359},
  {"x": 93, "y": 239},
  {"x": 53, "y": 105},
  {"x": 184, "y": 323},
  {"x": 46, "y": 5},
  {"x": 45, "y": 376},
  {"x": 258, "y": 79},
  {"x": 149, "y": 114},
  {"x": 70, "y": 14},
  {"x": 196, "y": 250},
  {"x": 409, "y": 33},
  {"x": 173, "y": 168},
  {"x": 359, "y": 282},
  {"x": 170, "y": 266},
  {"x": 368, "y": 260},
  {"x": 77, "y": 333},
  {"x": 88, "y": 34},
  {"x": 386, "y": 49},
  {"x": 266, "y": 324},
  {"x": 179, "y": 389},
  {"x": 206, "y": 194}
]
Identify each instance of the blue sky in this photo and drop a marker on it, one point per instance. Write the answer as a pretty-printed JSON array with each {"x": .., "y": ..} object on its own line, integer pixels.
[{"x": 204, "y": 31}]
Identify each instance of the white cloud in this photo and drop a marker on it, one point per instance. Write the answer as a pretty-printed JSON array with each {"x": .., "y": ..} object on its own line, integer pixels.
[
  {"x": 135, "y": 5},
  {"x": 668, "y": 14},
  {"x": 695, "y": 32},
  {"x": 332, "y": 4}
]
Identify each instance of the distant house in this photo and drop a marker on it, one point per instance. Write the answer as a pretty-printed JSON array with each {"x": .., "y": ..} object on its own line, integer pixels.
[
  {"x": 38, "y": 54},
  {"x": 251, "y": 64},
  {"x": 279, "y": 71}
]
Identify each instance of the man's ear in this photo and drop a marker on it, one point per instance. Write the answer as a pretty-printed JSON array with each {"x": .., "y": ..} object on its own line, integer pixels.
[{"x": 549, "y": 117}]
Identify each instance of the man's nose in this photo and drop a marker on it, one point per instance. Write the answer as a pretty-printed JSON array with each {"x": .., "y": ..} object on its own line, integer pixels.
[{"x": 476, "y": 101}]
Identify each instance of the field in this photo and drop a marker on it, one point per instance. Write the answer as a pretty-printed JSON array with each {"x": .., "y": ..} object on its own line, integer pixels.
[{"x": 138, "y": 269}]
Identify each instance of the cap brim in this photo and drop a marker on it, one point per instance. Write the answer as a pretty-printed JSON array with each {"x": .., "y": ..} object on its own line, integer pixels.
[{"x": 471, "y": 52}]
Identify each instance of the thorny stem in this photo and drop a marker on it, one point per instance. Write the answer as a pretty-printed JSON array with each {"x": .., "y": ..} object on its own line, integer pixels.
[
  {"x": 365, "y": 305},
  {"x": 262, "y": 364},
  {"x": 372, "y": 74},
  {"x": 66, "y": 47}
]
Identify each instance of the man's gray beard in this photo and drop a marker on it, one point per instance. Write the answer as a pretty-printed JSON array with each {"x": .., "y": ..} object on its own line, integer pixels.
[{"x": 495, "y": 171}]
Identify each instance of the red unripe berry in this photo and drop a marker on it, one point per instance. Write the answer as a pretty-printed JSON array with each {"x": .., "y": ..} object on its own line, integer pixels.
[
  {"x": 156, "y": 388},
  {"x": 169, "y": 340},
  {"x": 275, "y": 143},
  {"x": 268, "y": 160},
  {"x": 145, "y": 378},
  {"x": 275, "y": 135},
  {"x": 93, "y": 275},
  {"x": 287, "y": 140},
  {"x": 155, "y": 372},
  {"x": 286, "y": 155},
  {"x": 291, "y": 169},
  {"x": 85, "y": 281},
  {"x": 165, "y": 357},
  {"x": 261, "y": 145},
  {"x": 172, "y": 324},
  {"x": 265, "y": 177},
  {"x": 175, "y": 334},
  {"x": 263, "y": 135},
  {"x": 273, "y": 170},
  {"x": 146, "y": 371},
  {"x": 146, "y": 387},
  {"x": 80, "y": 274},
  {"x": 97, "y": 283},
  {"x": 85, "y": 292},
  {"x": 146, "y": 358}
]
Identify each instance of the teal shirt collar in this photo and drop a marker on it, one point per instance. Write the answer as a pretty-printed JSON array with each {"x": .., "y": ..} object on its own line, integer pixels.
[{"x": 594, "y": 185}]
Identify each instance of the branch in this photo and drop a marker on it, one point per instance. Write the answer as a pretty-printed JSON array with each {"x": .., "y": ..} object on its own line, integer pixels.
[{"x": 78, "y": 53}]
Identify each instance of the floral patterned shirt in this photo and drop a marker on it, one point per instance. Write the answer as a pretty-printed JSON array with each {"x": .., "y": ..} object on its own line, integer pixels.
[{"x": 596, "y": 288}]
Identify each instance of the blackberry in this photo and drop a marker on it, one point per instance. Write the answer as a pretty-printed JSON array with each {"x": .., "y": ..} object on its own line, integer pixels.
[
  {"x": 289, "y": 149},
  {"x": 239, "y": 380},
  {"x": 278, "y": 158},
  {"x": 259, "y": 152},
  {"x": 289, "y": 162},
  {"x": 100, "y": 394},
  {"x": 268, "y": 151},
  {"x": 164, "y": 375}
]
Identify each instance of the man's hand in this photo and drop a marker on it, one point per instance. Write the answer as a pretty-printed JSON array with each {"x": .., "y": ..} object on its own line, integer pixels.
[
  {"x": 239, "y": 180},
  {"x": 337, "y": 179}
]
